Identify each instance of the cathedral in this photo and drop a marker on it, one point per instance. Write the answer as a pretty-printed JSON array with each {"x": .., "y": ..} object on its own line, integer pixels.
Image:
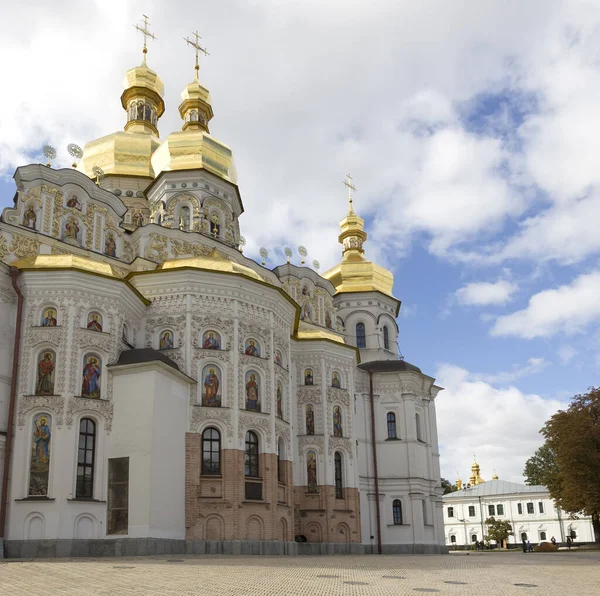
[{"x": 160, "y": 392}]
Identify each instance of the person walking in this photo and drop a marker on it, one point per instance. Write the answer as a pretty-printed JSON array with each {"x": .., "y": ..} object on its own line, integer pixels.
[
  {"x": 524, "y": 544},
  {"x": 569, "y": 542},
  {"x": 553, "y": 540},
  {"x": 529, "y": 547}
]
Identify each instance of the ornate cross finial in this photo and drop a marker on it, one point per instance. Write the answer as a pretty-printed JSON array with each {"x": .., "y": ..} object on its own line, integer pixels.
[
  {"x": 351, "y": 188},
  {"x": 198, "y": 48},
  {"x": 146, "y": 33}
]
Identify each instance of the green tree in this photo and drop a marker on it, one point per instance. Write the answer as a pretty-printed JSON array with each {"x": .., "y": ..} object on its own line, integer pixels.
[
  {"x": 541, "y": 466},
  {"x": 448, "y": 486},
  {"x": 498, "y": 530},
  {"x": 573, "y": 435}
]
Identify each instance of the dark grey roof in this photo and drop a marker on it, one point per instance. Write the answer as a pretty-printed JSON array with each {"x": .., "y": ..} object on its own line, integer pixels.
[
  {"x": 389, "y": 366},
  {"x": 140, "y": 355},
  {"x": 495, "y": 487}
]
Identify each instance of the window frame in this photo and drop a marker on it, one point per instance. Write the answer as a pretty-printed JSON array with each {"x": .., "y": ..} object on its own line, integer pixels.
[
  {"x": 251, "y": 455},
  {"x": 520, "y": 508},
  {"x": 397, "y": 512},
  {"x": 491, "y": 510},
  {"x": 500, "y": 509},
  {"x": 386, "y": 338},
  {"x": 392, "y": 430},
  {"x": 530, "y": 510},
  {"x": 84, "y": 465},
  {"x": 338, "y": 475},
  {"x": 361, "y": 335},
  {"x": 541, "y": 507},
  {"x": 472, "y": 508},
  {"x": 450, "y": 512},
  {"x": 206, "y": 471}
]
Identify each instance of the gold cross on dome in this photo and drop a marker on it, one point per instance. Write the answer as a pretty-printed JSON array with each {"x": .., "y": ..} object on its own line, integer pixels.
[
  {"x": 351, "y": 188},
  {"x": 146, "y": 33},
  {"x": 198, "y": 48}
]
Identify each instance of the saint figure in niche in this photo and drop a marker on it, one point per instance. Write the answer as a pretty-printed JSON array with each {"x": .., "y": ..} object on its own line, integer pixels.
[
  {"x": 310, "y": 420},
  {"x": 49, "y": 319},
  {"x": 137, "y": 218},
  {"x": 251, "y": 348},
  {"x": 73, "y": 203},
  {"x": 335, "y": 380},
  {"x": 40, "y": 456},
  {"x": 29, "y": 218},
  {"x": 165, "y": 341},
  {"x": 211, "y": 340},
  {"x": 308, "y": 376},
  {"x": 279, "y": 402},
  {"x": 45, "y": 379},
  {"x": 110, "y": 246},
  {"x": 91, "y": 377},
  {"x": 337, "y": 422},
  {"x": 94, "y": 322},
  {"x": 278, "y": 359},
  {"x": 72, "y": 230},
  {"x": 252, "y": 395},
  {"x": 328, "y": 321},
  {"x": 305, "y": 313},
  {"x": 140, "y": 111},
  {"x": 212, "y": 381},
  {"x": 311, "y": 472}
]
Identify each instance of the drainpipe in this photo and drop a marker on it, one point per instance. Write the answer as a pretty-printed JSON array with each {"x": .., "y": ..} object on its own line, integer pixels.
[
  {"x": 14, "y": 274},
  {"x": 373, "y": 438}
]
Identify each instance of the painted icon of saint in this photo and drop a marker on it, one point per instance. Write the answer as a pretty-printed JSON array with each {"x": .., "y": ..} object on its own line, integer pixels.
[
  {"x": 337, "y": 422},
  {"x": 279, "y": 402},
  {"x": 166, "y": 340},
  {"x": 328, "y": 323},
  {"x": 41, "y": 439},
  {"x": 252, "y": 394},
  {"x": 29, "y": 218},
  {"x": 45, "y": 380},
  {"x": 211, "y": 341},
  {"x": 72, "y": 230},
  {"x": 308, "y": 376},
  {"x": 278, "y": 359},
  {"x": 311, "y": 471},
  {"x": 310, "y": 420},
  {"x": 91, "y": 377},
  {"x": 211, "y": 396},
  {"x": 137, "y": 219},
  {"x": 94, "y": 322},
  {"x": 49, "y": 319},
  {"x": 251, "y": 348},
  {"x": 335, "y": 380},
  {"x": 110, "y": 246},
  {"x": 74, "y": 203}
]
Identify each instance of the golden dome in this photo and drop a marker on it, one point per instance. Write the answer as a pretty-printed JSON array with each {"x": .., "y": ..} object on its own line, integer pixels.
[
  {"x": 356, "y": 273},
  {"x": 214, "y": 261},
  {"x": 65, "y": 262}
]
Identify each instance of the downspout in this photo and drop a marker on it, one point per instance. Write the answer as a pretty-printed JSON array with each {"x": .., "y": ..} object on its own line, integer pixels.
[
  {"x": 373, "y": 438},
  {"x": 14, "y": 274}
]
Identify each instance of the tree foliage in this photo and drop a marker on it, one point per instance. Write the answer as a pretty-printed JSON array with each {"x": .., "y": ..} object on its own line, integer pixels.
[
  {"x": 498, "y": 529},
  {"x": 573, "y": 436},
  {"x": 448, "y": 486},
  {"x": 541, "y": 466}
]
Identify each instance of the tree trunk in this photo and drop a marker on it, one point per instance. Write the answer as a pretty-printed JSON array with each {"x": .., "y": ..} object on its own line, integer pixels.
[{"x": 596, "y": 526}]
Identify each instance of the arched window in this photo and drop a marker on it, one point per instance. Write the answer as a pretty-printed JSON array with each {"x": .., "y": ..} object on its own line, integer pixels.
[
  {"x": 386, "y": 338},
  {"x": 280, "y": 461},
  {"x": 453, "y": 539},
  {"x": 397, "y": 511},
  {"x": 542, "y": 536},
  {"x": 473, "y": 537},
  {"x": 86, "y": 459},
  {"x": 184, "y": 218},
  {"x": 339, "y": 490},
  {"x": 211, "y": 451},
  {"x": 361, "y": 341},
  {"x": 391, "y": 425},
  {"x": 418, "y": 425},
  {"x": 251, "y": 454}
]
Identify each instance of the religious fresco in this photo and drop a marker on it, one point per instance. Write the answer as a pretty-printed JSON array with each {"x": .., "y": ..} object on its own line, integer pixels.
[
  {"x": 211, "y": 340},
  {"x": 73, "y": 203},
  {"x": 337, "y": 422},
  {"x": 311, "y": 472},
  {"x": 92, "y": 372},
  {"x": 45, "y": 376},
  {"x": 328, "y": 322},
  {"x": 137, "y": 218},
  {"x": 306, "y": 292},
  {"x": 278, "y": 358},
  {"x": 165, "y": 340},
  {"x": 211, "y": 394},
  {"x": 72, "y": 231},
  {"x": 306, "y": 312},
  {"x": 279, "y": 401},
  {"x": 39, "y": 471},
  {"x": 29, "y": 218},
  {"x": 308, "y": 376},
  {"x": 110, "y": 245},
  {"x": 335, "y": 380},
  {"x": 252, "y": 348},
  {"x": 252, "y": 391},
  {"x": 310, "y": 419},
  {"x": 94, "y": 321},
  {"x": 49, "y": 317}
]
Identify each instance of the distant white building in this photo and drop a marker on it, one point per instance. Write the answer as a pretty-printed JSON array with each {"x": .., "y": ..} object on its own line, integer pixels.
[{"x": 530, "y": 510}]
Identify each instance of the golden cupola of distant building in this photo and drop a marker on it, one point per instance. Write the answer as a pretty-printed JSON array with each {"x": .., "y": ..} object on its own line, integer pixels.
[{"x": 475, "y": 477}]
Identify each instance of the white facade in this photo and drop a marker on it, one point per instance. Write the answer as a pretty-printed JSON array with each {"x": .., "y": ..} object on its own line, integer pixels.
[{"x": 531, "y": 512}]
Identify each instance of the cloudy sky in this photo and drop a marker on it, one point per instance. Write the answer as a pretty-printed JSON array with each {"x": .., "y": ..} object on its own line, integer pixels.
[{"x": 472, "y": 131}]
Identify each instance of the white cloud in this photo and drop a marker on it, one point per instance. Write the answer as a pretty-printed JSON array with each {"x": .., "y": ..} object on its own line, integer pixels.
[
  {"x": 533, "y": 366},
  {"x": 566, "y": 353},
  {"x": 568, "y": 309},
  {"x": 486, "y": 293},
  {"x": 499, "y": 426}
]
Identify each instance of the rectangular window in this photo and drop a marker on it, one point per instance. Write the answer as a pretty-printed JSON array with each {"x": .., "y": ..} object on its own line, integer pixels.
[
  {"x": 253, "y": 491},
  {"x": 117, "y": 509},
  {"x": 500, "y": 509},
  {"x": 471, "y": 510},
  {"x": 450, "y": 511},
  {"x": 425, "y": 518},
  {"x": 541, "y": 507},
  {"x": 530, "y": 509},
  {"x": 491, "y": 510},
  {"x": 84, "y": 488},
  {"x": 520, "y": 508}
]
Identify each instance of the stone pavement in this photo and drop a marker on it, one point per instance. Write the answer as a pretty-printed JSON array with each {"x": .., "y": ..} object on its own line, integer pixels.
[{"x": 476, "y": 574}]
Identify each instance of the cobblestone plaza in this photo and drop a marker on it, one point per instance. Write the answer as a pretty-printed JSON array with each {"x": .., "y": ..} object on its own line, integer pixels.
[{"x": 487, "y": 574}]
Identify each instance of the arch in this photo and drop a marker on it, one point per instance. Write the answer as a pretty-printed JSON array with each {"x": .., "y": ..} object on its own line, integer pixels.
[
  {"x": 211, "y": 340},
  {"x": 72, "y": 230},
  {"x": 343, "y": 532},
  {"x": 92, "y": 375},
  {"x": 314, "y": 532},
  {"x": 216, "y": 221},
  {"x": 312, "y": 483},
  {"x": 254, "y": 528},
  {"x": 542, "y": 536},
  {"x": 49, "y": 316},
  {"x": 397, "y": 512},
  {"x": 211, "y": 451},
  {"x": 212, "y": 385},
  {"x": 94, "y": 321},
  {"x": 34, "y": 526},
  {"x": 45, "y": 372},
  {"x": 338, "y": 421},
  {"x": 86, "y": 458},
  {"x": 336, "y": 379},
  {"x": 283, "y": 529},
  {"x": 253, "y": 389},
  {"x": 252, "y": 347},
  {"x": 252, "y": 451},
  {"x": 310, "y": 419},
  {"x": 308, "y": 376},
  {"x": 85, "y": 527},
  {"x": 392, "y": 432},
  {"x": 166, "y": 339},
  {"x": 360, "y": 334},
  {"x": 452, "y": 539},
  {"x": 184, "y": 218},
  {"x": 214, "y": 527},
  {"x": 338, "y": 475}
]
